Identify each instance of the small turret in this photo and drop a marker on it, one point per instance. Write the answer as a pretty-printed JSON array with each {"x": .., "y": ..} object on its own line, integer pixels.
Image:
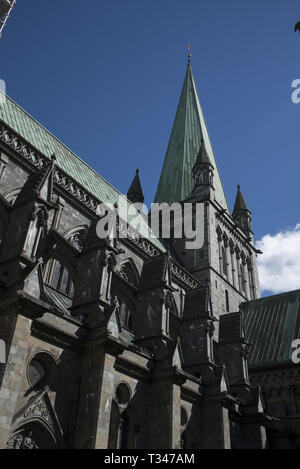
[
  {"x": 242, "y": 215},
  {"x": 203, "y": 175},
  {"x": 135, "y": 193}
]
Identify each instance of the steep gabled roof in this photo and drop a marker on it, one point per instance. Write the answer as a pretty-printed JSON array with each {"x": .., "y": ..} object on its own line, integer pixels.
[
  {"x": 47, "y": 144},
  {"x": 271, "y": 325},
  {"x": 176, "y": 179}
]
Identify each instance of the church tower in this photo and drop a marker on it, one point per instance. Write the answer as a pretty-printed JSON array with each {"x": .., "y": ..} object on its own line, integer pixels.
[{"x": 190, "y": 175}]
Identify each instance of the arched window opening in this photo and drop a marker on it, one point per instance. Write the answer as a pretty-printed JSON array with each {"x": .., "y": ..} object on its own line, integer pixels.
[
  {"x": 12, "y": 195},
  {"x": 120, "y": 423},
  {"x": 227, "y": 301},
  {"x": 123, "y": 309},
  {"x": 77, "y": 236},
  {"x": 128, "y": 272},
  {"x": 37, "y": 373},
  {"x": 123, "y": 394},
  {"x": 125, "y": 316},
  {"x": 58, "y": 277},
  {"x": 42, "y": 371},
  {"x": 224, "y": 261}
]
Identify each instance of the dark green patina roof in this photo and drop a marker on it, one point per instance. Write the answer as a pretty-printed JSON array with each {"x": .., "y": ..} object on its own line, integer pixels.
[
  {"x": 176, "y": 181},
  {"x": 55, "y": 298},
  {"x": 271, "y": 325},
  {"x": 127, "y": 336},
  {"x": 46, "y": 143}
]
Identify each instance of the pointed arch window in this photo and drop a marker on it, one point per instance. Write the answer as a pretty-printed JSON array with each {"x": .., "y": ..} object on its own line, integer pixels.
[
  {"x": 227, "y": 301},
  {"x": 120, "y": 423},
  {"x": 58, "y": 277},
  {"x": 125, "y": 316},
  {"x": 224, "y": 261}
]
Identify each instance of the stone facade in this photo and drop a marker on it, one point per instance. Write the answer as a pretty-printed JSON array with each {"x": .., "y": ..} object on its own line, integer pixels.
[{"x": 118, "y": 343}]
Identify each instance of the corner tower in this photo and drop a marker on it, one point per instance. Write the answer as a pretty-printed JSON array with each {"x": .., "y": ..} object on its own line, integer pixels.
[{"x": 227, "y": 258}]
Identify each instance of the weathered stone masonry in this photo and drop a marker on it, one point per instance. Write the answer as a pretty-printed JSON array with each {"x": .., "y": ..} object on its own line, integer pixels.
[{"x": 124, "y": 343}]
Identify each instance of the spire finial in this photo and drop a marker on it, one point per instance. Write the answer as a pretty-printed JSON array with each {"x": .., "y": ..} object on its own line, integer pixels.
[
  {"x": 189, "y": 52},
  {"x": 238, "y": 186}
]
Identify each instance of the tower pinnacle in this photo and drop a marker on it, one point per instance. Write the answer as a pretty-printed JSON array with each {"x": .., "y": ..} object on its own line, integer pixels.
[
  {"x": 242, "y": 215},
  {"x": 203, "y": 174},
  {"x": 135, "y": 193}
]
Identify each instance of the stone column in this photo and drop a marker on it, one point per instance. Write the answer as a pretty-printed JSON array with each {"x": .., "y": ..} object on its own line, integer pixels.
[
  {"x": 60, "y": 204},
  {"x": 220, "y": 252},
  {"x": 165, "y": 415},
  {"x": 234, "y": 273},
  {"x": 227, "y": 257},
  {"x": 97, "y": 390},
  {"x": 239, "y": 272},
  {"x": 214, "y": 429},
  {"x": 245, "y": 279},
  {"x": 251, "y": 281}
]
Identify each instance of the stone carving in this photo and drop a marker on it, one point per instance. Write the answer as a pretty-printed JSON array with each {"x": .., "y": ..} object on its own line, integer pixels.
[
  {"x": 23, "y": 440},
  {"x": 40, "y": 409},
  {"x": 76, "y": 241},
  {"x": 78, "y": 192}
]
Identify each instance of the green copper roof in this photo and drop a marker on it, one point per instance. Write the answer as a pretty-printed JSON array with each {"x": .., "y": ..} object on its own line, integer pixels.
[
  {"x": 271, "y": 325},
  {"x": 176, "y": 181},
  {"x": 40, "y": 138}
]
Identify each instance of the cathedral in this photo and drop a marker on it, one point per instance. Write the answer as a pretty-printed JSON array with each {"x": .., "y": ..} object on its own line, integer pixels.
[{"x": 134, "y": 341}]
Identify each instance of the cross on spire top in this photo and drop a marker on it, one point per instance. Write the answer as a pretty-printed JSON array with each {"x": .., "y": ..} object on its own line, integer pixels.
[{"x": 189, "y": 52}]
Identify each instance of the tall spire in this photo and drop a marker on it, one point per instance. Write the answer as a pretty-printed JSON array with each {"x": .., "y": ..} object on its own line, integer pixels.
[
  {"x": 176, "y": 179},
  {"x": 135, "y": 193}
]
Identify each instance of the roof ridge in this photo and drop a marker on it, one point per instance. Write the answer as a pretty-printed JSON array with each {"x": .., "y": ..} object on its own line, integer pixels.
[
  {"x": 185, "y": 121},
  {"x": 273, "y": 296},
  {"x": 59, "y": 141}
]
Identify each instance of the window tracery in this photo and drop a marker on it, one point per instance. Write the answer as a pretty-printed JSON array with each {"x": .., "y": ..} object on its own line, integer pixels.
[{"x": 57, "y": 276}]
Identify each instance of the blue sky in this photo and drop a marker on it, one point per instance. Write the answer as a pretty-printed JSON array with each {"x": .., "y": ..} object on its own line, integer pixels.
[{"x": 106, "y": 81}]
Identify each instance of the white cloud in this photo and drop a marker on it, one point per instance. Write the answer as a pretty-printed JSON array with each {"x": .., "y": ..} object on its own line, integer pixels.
[{"x": 279, "y": 265}]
